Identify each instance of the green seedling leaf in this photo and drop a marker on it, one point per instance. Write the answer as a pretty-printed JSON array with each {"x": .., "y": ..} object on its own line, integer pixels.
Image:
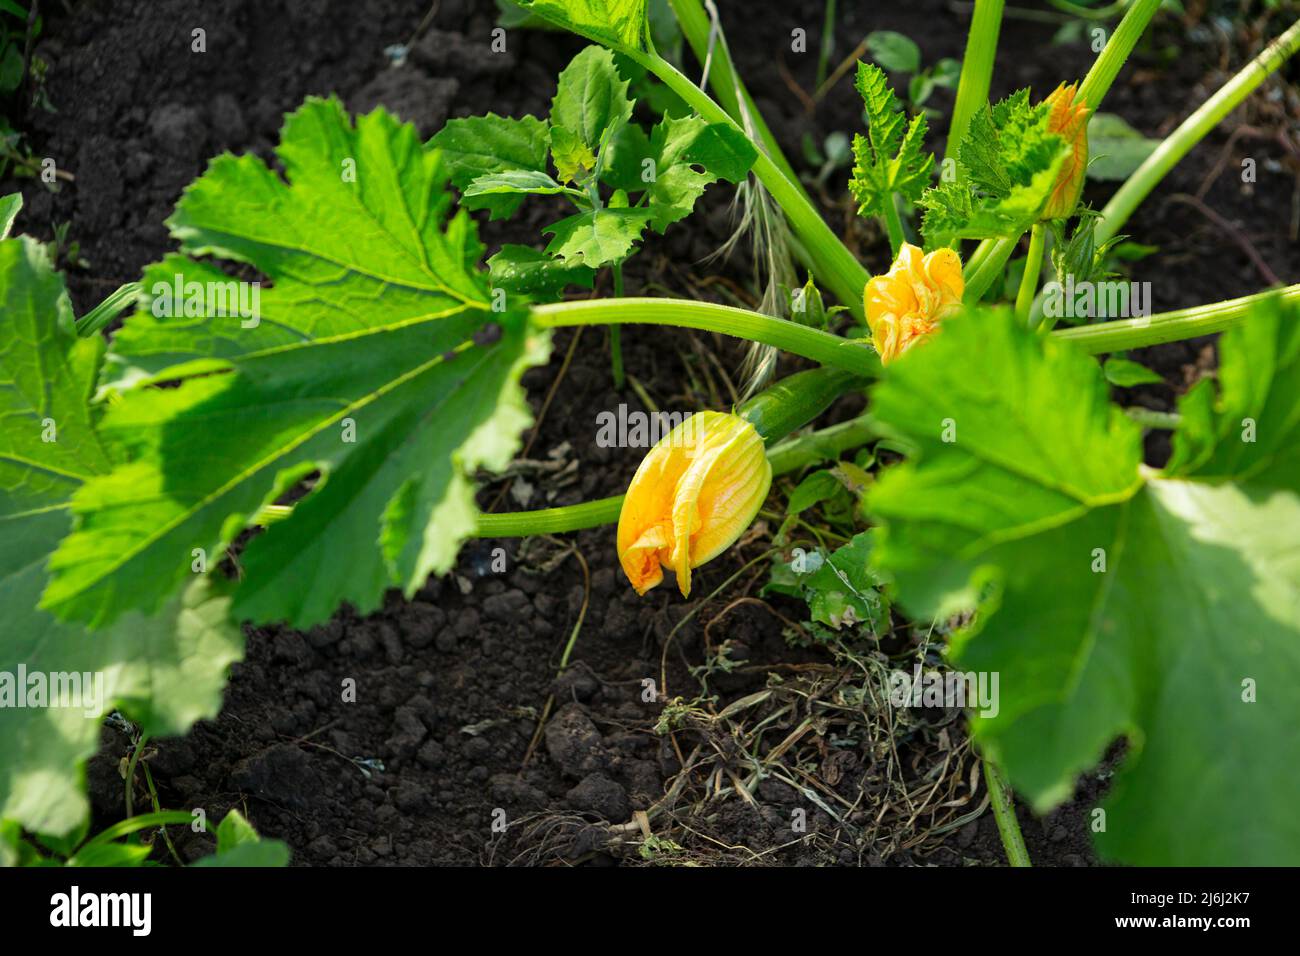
[
  {"x": 894, "y": 51},
  {"x": 238, "y": 844},
  {"x": 1010, "y": 162},
  {"x": 378, "y": 362},
  {"x": 616, "y": 23},
  {"x": 1125, "y": 373},
  {"x": 598, "y": 237},
  {"x": 591, "y": 100},
  {"x": 1112, "y": 601},
  {"x": 480, "y": 145},
  {"x": 889, "y": 159},
  {"x": 167, "y": 671},
  {"x": 9, "y": 208},
  {"x": 529, "y": 271},
  {"x": 1116, "y": 148}
]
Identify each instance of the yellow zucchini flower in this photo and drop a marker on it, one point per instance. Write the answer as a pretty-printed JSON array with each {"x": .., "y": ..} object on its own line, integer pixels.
[
  {"x": 696, "y": 491},
  {"x": 1069, "y": 120},
  {"x": 908, "y": 302}
]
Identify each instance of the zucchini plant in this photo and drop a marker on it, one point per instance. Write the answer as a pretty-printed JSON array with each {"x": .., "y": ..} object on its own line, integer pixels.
[{"x": 345, "y": 410}]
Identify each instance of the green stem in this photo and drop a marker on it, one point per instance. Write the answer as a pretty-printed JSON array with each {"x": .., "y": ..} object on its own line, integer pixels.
[
  {"x": 1004, "y": 812},
  {"x": 987, "y": 269},
  {"x": 836, "y": 266},
  {"x": 1171, "y": 326},
  {"x": 827, "y": 48},
  {"x": 1029, "y": 281},
  {"x": 894, "y": 225},
  {"x": 822, "y": 347},
  {"x": 1089, "y": 13},
  {"x": 1150, "y": 418},
  {"x": 130, "y": 772},
  {"x": 726, "y": 84},
  {"x": 616, "y": 333},
  {"x": 1112, "y": 58},
  {"x": 1193, "y": 129},
  {"x": 788, "y": 456},
  {"x": 976, "y": 71}
]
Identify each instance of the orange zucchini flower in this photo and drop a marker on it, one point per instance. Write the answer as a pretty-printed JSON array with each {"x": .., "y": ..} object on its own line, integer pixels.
[
  {"x": 696, "y": 491},
  {"x": 1069, "y": 120},
  {"x": 908, "y": 302}
]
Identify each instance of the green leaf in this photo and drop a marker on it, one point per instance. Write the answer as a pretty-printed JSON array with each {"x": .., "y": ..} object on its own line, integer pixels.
[
  {"x": 1111, "y": 602},
  {"x": 264, "y": 853},
  {"x": 479, "y": 145},
  {"x": 591, "y": 100},
  {"x": 597, "y": 237},
  {"x": 165, "y": 672},
  {"x": 1250, "y": 431},
  {"x": 689, "y": 154},
  {"x": 1116, "y": 148},
  {"x": 233, "y": 831},
  {"x": 532, "y": 272},
  {"x": 112, "y": 854},
  {"x": 815, "y": 488},
  {"x": 894, "y": 51},
  {"x": 1125, "y": 373},
  {"x": 514, "y": 181},
  {"x": 238, "y": 844},
  {"x": 572, "y": 157},
  {"x": 844, "y": 590},
  {"x": 623, "y": 160},
  {"x": 9, "y": 208},
  {"x": 378, "y": 362},
  {"x": 1010, "y": 164},
  {"x": 616, "y": 23},
  {"x": 889, "y": 159}
]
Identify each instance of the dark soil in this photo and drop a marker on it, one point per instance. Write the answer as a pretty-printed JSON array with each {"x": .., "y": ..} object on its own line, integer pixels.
[{"x": 450, "y": 685}]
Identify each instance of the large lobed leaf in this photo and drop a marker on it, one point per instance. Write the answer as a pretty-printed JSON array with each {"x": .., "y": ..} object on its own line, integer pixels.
[
  {"x": 166, "y": 671},
  {"x": 380, "y": 364},
  {"x": 1186, "y": 641}
]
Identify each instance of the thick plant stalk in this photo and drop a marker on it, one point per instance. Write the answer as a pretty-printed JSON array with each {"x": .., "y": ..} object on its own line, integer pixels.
[
  {"x": 1193, "y": 129},
  {"x": 976, "y": 71},
  {"x": 787, "y": 456},
  {"x": 1029, "y": 281},
  {"x": 849, "y": 354},
  {"x": 1096, "y": 339},
  {"x": 1111, "y": 60},
  {"x": 1123, "y": 334}
]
